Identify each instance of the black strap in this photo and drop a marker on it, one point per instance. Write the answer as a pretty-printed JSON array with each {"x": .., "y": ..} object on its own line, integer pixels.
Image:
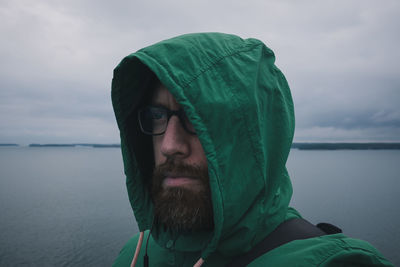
[{"x": 294, "y": 229}]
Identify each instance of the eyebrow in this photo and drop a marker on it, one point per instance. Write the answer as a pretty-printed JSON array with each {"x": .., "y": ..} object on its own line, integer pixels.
[
  {"x": 156, "y": 101},
  {"x": 158, "y": 105}
]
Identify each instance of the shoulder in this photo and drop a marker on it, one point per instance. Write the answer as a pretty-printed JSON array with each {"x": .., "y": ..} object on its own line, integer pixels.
[
  {"x": 355, "y": 252},
  {"x": 126, "y": 254},
  {"x": 329, "y": 250}
]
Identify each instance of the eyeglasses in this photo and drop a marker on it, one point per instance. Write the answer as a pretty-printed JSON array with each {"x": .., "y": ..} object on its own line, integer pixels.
[{"x": 154, "y": 120}]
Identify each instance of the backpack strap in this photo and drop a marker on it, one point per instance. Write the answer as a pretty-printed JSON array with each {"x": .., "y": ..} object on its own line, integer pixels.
[{"x": 293, "y": 229}]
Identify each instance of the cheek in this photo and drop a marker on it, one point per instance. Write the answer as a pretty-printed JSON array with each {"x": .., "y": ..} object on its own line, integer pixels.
[
  {"x": 158, "y": 157},
  {"x": 198, "y": 151}
]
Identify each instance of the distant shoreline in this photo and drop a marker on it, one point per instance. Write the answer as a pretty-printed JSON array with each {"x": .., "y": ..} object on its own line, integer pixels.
[
  {"x": 76, "y": 145},
  {"x": 342, "y": 146},
  {"x": 64, "y": 145},
  {"x": 296, "y": 145},
  {"x": 9, "y": 145}
]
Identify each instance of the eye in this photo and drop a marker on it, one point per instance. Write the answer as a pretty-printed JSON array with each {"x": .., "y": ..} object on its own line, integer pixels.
[{"x": 157, "y": 113}]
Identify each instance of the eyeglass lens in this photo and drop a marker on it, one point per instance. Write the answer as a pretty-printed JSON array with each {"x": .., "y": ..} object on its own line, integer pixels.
[{"x": 154, "y": 120}]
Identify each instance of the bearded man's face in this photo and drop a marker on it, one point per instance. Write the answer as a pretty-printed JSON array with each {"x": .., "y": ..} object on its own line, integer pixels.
[{"x": 180, "y": 185}]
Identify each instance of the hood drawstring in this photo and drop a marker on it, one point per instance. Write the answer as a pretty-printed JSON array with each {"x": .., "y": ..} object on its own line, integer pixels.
[
  {"x": 138, "y": 246},
  {"x": 146, "y": 257},
  {"x": 199, "y": 263}
]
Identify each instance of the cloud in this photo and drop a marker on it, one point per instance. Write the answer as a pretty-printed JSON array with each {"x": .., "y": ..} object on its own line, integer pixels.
[{"x": 340, "y": 58}]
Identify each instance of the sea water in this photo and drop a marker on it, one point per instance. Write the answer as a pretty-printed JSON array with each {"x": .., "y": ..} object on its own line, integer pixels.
[
  {"x": 356, "y": 190},
  {"x": 68, "y": 206}
]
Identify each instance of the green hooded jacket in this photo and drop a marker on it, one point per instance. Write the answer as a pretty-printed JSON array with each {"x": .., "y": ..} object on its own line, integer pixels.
[{"x": 241, "y": 107}]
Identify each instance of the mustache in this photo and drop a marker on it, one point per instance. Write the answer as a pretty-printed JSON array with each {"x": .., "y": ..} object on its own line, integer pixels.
[{"x": 172, "y": 168}]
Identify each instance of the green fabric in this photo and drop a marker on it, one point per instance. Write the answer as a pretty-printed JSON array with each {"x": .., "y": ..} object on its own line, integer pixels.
[
  {"x": 241, "y": 107},
  {"x": 329, "y": 250}
]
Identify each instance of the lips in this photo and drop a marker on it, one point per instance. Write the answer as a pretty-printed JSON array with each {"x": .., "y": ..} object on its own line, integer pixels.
[{"x": 179, "y": 180}]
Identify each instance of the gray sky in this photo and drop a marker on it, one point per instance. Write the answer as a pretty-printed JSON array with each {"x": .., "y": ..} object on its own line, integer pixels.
[{"x": 341, "y": 59}]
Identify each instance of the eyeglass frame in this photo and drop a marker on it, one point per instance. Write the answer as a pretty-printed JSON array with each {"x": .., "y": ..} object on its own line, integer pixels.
[{"x": 180, "y": 113}]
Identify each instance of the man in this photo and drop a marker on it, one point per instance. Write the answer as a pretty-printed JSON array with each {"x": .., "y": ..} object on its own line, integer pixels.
[{"x": 206, "y": 123}]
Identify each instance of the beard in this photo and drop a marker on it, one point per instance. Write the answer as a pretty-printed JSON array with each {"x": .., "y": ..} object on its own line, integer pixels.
[{"x": 182, "y": 208}]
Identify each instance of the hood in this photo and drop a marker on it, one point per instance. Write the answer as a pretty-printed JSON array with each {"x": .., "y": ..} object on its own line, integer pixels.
[{"x": 241, "y": 107}]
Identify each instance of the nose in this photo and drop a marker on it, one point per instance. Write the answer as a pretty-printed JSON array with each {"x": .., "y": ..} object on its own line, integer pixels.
[{"x": 175, "y": 142}]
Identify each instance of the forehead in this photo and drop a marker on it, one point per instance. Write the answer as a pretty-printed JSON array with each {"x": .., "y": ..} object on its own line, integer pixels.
[{"x": 161, "y": 96}]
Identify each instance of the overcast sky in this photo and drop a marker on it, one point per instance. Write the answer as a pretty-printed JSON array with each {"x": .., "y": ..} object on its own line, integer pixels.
[{"x": 341, "y": 58}]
